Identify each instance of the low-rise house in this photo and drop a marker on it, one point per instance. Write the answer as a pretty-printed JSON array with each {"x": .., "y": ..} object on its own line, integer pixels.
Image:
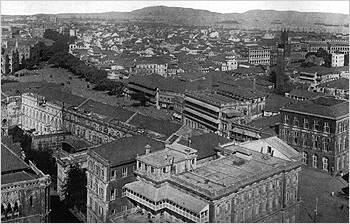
[{"x": 338, "y": 88}]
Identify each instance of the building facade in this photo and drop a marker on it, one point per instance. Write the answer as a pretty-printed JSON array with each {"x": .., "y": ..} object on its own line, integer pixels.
[
  {"x": 259, "y": 56},
  {"x": 25, "y": 190},
  {"x": 319, "y": 130},
  {"x": 170, "y": 187},
  {"x": 337, "y": 59},
  {"x": 109, "y": 168}
]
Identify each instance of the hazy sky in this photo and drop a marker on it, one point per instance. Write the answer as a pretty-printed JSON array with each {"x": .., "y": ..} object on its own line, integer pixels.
[{"x": 53, "y": 7}]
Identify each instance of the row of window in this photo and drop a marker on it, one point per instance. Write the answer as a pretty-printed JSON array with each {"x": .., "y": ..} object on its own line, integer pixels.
[
  {"x": 315, "y": 126},
  {"x": 114, "y": 194},
  {"x": 114, "y": 173}
]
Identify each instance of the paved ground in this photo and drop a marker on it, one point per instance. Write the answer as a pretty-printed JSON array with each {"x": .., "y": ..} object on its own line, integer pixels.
[
  {"x": 331, "y": 209},
  {"x": 82, "y": 88}
]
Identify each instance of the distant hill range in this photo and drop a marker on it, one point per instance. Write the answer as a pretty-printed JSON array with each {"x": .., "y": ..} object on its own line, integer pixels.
[{"x": 264, "y": 19}]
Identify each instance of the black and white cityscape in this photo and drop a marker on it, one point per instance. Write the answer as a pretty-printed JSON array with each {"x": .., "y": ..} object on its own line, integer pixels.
[{"x": 158, "y": 112}]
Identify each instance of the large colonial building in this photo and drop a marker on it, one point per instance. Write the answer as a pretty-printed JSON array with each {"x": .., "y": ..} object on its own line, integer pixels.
[
  {"x": 319, "y": 130},
  {"x": 25, "y": 190},
  {"x": 217, "y": 111},
  {"x": 110, "y": 167},
  {"x": 246, "y": 183}
]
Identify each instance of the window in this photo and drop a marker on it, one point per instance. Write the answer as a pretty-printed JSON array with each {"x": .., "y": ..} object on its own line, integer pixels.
[
  {"x": 257, "y": 207},
  {"x": 326, "y": 144},
  {"x": 100, "y": 210},
  {"x": 269, "y": 149},
  {"x": 316, "y": 126},
  {"x": 304, "y": 158},
  {"x": 124, "y": 192},
  {"x": 124, "y": 208},
  {"x": 113, "y": 211},
  {"x": 114, "y": 193},
  {"x": 286, "y": 119},
  {"x": 326, "y": 127},
  {"x": 296, "y": 122},
  {"x": 31, "y": 201},
  {"x": 314, "y": 161},
  {"x": 101, "y": 192},
  {"x": 124, "y": 172},
  {"x": 113, "y": 175},
  {"x": 296, "y": 138}
]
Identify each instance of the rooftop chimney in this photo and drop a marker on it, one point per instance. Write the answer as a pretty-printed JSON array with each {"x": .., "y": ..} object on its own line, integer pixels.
[{"x": 148, "y": 149}]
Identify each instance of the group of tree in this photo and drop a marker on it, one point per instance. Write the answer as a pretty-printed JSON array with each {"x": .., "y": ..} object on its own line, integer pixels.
[
  {"x": 58, "y": 55},
  {"x": 74, "y": 188},
  {"x": 43, "y": 158},
  {"x": 313, "y": 58}
]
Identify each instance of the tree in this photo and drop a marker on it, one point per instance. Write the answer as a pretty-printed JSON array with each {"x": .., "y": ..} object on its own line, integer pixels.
[
  {"x": 141, "y": 97},
  {"x": 75, "y": 188}
]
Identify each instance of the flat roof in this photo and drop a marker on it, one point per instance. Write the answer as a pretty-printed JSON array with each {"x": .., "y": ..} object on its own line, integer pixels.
[{"x": 225, "y": 173}]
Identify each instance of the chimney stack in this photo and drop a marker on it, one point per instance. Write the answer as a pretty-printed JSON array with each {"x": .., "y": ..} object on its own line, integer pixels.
[{"x": 148, "y": 149}]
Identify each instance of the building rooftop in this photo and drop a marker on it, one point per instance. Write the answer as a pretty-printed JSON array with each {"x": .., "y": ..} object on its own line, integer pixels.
[
  {"x": 305, "y": 93},
  {"x": 237, "y": 91},
  {"x": 164, "y": 128},
  {"x": 54, "y": 94},
  {"x": 212, "y": 98},
  {"x": 341, "y": 83},
  {"x": 172, "y": 154},
  {"x": 322, "y": 106},
  {"x": 274, "y": 102},
  {"x": 227, "y": 174},
  {"x": 105, "y": 111},
  {"x": 125, "y": 150},
  {"x": 10, "y": 161},
  {"x": 205, "y": 144}
]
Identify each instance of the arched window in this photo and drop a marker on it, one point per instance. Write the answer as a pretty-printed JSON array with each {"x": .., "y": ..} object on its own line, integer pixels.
[
  {"x": 16, "y": 209},
  {"x": 304, "y": 158},
  {"x": 314, "y": 161},
  {"x": 31, "y": 201},
  {"x": 325, "y": 163},
  {"x": 9, "y": 210},
  {"x": 2, "y": 211}
]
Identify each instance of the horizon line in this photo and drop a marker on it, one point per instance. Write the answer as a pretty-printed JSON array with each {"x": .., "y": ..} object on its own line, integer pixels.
[{"x": 43, "y": 13}]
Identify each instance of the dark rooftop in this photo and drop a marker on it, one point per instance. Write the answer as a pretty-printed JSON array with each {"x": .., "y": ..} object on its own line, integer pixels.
[
  {"x": 125, "y": 150},
  {"x": 106, "y": 110},
  {"x": 205, "y": 144},
  {"x": 10, "y": 161},
  {"x": 162, "y": 127},
  {"x": 322, "y": 106}
]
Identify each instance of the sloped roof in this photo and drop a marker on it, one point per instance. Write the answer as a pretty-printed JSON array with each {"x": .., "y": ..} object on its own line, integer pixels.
[
  {"x": 162, "y": 127},
  {"x": 322, "y": 106},
  {"x": 305, "y": 93},
  {"x": 106, "y": 110},
  {"x": 205, "y": 144},
  {"x": 125, "y": 150},
  {"x": 341, "y": 83}
]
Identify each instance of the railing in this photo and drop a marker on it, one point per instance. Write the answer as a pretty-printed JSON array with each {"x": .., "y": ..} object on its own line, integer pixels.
[{"x": 163, "y": 204}]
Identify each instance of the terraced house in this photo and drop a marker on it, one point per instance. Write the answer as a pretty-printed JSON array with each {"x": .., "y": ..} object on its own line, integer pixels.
[{"x": 319, "y": 130}]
